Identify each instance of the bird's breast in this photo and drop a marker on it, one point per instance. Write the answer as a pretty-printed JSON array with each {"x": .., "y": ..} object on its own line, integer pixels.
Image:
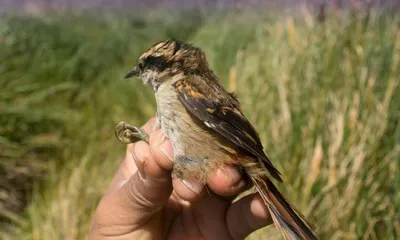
[
  {"x": 186, "y": 132},
  {"x": 197, "y": 148},
  {"x": 171, "y": 114}
]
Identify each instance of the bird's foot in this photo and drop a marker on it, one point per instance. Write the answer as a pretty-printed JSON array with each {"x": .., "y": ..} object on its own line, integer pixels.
[{"x": 127, "y": 133}]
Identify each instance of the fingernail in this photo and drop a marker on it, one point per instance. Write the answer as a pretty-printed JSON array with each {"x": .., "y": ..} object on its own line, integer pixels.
[
  {"x": 233, "y": 174},
  {"x": 167, "y": 149},
  {"x": 193, "y": 186}
]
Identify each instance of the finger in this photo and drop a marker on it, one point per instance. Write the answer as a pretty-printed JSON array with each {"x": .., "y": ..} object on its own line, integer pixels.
[
  {"x": 148, "y": 189},
  {"x": 128, "y": 167},
  {"x": 153, "y": 163},
  {"x": 247, "y": 215},
  {"x": 188, "y": 190},
  {"x": 207, "y": 213},
  {"x": 153, "y": 183},
  {"x": 125, "y": 170},
  {"x": 226, "y": 181},
  {"x": 161, "y": 149},
  {"x": 146, "y": 192}
]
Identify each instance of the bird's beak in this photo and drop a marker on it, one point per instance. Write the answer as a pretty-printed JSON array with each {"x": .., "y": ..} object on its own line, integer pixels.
[{"x": 134, "y": 72}]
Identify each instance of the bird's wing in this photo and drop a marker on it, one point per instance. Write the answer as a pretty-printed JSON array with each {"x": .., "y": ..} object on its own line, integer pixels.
[{"x": 224, "y": 118}]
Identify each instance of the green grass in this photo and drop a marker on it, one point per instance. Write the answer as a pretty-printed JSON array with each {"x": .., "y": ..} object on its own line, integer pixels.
[{"x": 324, "y": 97}]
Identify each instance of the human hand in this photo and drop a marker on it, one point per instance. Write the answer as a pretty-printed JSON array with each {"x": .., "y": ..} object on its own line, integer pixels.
[{"x": 145, "y": 202}]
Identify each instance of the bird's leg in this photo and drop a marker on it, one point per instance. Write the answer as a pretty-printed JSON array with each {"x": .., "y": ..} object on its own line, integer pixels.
[{"x": 127, "y": 133}]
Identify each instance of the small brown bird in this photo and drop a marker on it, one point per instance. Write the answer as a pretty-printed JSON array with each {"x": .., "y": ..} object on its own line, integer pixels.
[{"x": 207, "y": 128}]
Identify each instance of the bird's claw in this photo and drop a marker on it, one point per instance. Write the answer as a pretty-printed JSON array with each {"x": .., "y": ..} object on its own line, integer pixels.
[{"x": 127, "y": 133}]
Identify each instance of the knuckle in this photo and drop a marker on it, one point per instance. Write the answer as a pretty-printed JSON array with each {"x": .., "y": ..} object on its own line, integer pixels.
[{"x": 137, "y": 195}]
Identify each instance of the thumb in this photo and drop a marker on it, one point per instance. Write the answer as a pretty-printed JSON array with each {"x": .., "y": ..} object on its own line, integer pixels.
[{"x": 145, "y": 192}]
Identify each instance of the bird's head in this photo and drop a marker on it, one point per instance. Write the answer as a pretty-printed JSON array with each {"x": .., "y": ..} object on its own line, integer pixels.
[{"x": 166, "y": 59}]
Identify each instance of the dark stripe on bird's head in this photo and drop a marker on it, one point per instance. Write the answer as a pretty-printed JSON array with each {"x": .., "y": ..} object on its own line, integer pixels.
[{"x": 156, "y": 63}]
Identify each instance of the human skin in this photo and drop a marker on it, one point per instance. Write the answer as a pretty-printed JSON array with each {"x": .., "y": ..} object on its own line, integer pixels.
[{"x": 145, "y": 202}]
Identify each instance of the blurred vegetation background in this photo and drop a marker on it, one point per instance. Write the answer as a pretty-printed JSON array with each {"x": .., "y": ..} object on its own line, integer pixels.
[{"x": 322, "y": 91}]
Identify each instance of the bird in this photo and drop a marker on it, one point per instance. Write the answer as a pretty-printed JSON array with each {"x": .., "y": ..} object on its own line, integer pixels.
[{"x": 207, "y": 128}]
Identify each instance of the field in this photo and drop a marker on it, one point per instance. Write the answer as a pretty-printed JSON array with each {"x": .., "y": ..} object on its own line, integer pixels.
[{"x": 323, "y": 94}]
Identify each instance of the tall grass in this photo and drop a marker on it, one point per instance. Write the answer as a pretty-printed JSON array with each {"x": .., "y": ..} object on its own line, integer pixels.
[
  {"x": 328, "y": 101},
  {"x": 62, "y": 92},
  {"x": 324, "y": 97}
]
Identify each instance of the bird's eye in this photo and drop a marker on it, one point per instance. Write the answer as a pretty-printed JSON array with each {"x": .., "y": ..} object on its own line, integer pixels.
[{"x": 141, "y": 65}]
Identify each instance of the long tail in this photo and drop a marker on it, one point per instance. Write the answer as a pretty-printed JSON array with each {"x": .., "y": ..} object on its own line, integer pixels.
[{"x": 284, "y": 215}]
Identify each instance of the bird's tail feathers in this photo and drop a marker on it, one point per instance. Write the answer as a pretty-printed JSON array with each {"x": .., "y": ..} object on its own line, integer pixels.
[{"x": 285, "y": 216}]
